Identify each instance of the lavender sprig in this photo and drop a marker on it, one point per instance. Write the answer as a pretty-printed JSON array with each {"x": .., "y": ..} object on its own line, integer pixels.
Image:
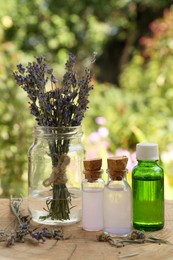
[
  {"x": 135, "y": 237},
  {"x": 21, "y": 232},
  {"x": 58, "y": 106}
]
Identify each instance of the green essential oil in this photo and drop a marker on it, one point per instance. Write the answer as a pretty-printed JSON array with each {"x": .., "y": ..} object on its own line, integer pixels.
[
  {"x": 148, "y": 189},
  {"x": 148, "y": 203}
]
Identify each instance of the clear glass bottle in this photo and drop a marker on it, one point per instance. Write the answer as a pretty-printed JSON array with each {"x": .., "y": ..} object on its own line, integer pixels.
[
  {"x": 117, "y": 204},
  {"x": 55, "y": 174},
  {"x": 92, "y": 200},
  {"x": 148, "y": 189}
]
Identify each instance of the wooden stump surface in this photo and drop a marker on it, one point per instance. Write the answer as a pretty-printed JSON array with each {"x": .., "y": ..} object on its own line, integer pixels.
[{"x": 83, "y": 245}]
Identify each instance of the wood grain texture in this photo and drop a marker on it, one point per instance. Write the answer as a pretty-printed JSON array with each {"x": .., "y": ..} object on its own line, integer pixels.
[{"x": 83, "y": 245}]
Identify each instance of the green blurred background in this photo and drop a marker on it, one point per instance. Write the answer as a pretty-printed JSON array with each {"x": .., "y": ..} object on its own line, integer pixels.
[{"x": 133, "y": 96}]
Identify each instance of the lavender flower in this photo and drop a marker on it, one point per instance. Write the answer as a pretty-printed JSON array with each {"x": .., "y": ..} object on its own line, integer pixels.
[{"x": 64, "y": 106}]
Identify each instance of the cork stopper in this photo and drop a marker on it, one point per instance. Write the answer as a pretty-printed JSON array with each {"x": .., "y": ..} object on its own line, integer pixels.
[
  {"x": 92, "y": 169},
  {"x": 117, "y": 167},
  {"x": 93, "y": 164}
]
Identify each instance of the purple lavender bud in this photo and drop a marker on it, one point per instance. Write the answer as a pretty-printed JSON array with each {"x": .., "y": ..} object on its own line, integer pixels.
[
  {"x": 40, "y": 59},
  {"x": 20, "y": 68},
  {"x": 49, "y": 71},
  {"x": 53, "y": 79},
  {"x": 35, "y": 235},
  {"x": 72, "y": 57}
]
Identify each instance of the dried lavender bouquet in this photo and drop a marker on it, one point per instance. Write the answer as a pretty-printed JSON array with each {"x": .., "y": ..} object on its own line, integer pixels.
[{"x": 59, "y": 105}]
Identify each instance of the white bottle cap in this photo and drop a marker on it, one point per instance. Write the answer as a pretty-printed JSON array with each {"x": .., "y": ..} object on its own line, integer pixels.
[{"x": 147, "y": 152}]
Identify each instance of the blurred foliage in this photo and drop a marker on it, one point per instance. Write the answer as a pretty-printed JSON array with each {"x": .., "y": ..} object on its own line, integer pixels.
[
  {"x": 142, "y": 108},
  {"x": 150, "y": 80},
  {"x": 14, "y": 135},
  {"x": 138, "y": 109}
]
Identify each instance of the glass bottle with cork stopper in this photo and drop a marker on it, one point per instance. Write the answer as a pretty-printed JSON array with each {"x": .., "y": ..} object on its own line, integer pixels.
[
  {"x": 117, "y": 198},
  {"x": 92, "y": 195},
  {"x": 148, "y": 189}
]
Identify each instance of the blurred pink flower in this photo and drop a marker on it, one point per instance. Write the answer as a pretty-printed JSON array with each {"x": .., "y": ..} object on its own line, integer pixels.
[
  {"x": 94, "y": 137},
  {"x": 100, "y": 120},
  {"x": 103, "y": 131}
]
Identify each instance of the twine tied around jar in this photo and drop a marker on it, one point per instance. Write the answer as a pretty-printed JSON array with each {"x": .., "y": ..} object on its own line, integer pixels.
[{"x": 58, "y": 175}]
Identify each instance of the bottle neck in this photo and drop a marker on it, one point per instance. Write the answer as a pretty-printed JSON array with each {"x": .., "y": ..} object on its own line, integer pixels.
[
  {"x": 92, "y": 176},
  {"x": 117, "y": 175},
  {"x": 118, "y": 179},
  {"x": 147, "y": 163}
]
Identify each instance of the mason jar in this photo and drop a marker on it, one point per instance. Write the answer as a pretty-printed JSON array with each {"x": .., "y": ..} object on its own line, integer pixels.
[{"x": 55, "y": 162}]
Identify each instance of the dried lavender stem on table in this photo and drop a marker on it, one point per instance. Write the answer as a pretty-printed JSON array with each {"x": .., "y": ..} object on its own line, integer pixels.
[{"x": 135, "y": 237}]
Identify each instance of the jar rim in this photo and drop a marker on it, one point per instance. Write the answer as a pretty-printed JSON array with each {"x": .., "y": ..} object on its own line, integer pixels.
[{"x": 51, "y": 131}]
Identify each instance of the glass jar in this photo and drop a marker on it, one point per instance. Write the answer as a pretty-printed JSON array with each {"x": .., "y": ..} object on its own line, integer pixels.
[{"x": 55, "y": 174}]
